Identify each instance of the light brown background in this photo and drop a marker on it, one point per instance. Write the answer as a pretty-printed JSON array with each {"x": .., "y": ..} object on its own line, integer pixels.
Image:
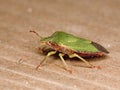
[{"x": 97, "y": 20}]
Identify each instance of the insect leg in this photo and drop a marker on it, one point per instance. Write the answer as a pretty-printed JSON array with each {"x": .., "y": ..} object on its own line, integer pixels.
[
  {"x": 45, "y": 59},
  {"x": 75, "y": 55},
  {"x": 66, "y": 66}
]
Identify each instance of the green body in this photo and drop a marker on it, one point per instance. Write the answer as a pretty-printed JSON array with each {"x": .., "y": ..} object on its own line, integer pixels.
[{"x": 71, "y": 42}]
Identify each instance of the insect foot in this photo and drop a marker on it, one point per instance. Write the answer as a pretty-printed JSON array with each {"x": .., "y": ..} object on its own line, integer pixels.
[
  {"x": 96, "y": 67},
  {"x": 69, "y": 70}
]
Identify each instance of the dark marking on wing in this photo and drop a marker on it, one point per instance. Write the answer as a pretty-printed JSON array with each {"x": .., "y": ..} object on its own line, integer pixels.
[{"x": 99, "y": 47}]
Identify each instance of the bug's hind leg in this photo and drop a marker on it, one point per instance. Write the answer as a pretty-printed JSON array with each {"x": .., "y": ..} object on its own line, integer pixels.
[
  {"x": 64, "y": 63},
  {"x": 86, "y": 62},
  {"x": 45, "y": 59}
]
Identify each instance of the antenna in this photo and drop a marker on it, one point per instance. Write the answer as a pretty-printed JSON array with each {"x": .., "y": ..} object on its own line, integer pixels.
[{"x": 35, "y": 33}]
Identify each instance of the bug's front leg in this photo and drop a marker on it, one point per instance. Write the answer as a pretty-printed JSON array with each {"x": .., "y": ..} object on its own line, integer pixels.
[
  {"x": 86, "y": 62},
  {"x": 64, "y": 63},
  {"x": 45, "y": 59}
]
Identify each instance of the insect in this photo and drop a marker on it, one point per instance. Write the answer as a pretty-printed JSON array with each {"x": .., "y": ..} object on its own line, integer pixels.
[{"x": 68, "y": 44}]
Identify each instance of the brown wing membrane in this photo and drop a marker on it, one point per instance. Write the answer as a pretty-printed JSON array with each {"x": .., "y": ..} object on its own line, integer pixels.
[{"x": 99, "y": 47}]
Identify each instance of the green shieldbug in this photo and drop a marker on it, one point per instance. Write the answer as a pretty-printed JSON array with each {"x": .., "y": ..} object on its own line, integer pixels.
[{"x": 67, "y": 44}]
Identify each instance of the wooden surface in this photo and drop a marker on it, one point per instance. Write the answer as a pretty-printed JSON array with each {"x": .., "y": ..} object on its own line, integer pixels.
[{"x": 97, "y": 20}]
